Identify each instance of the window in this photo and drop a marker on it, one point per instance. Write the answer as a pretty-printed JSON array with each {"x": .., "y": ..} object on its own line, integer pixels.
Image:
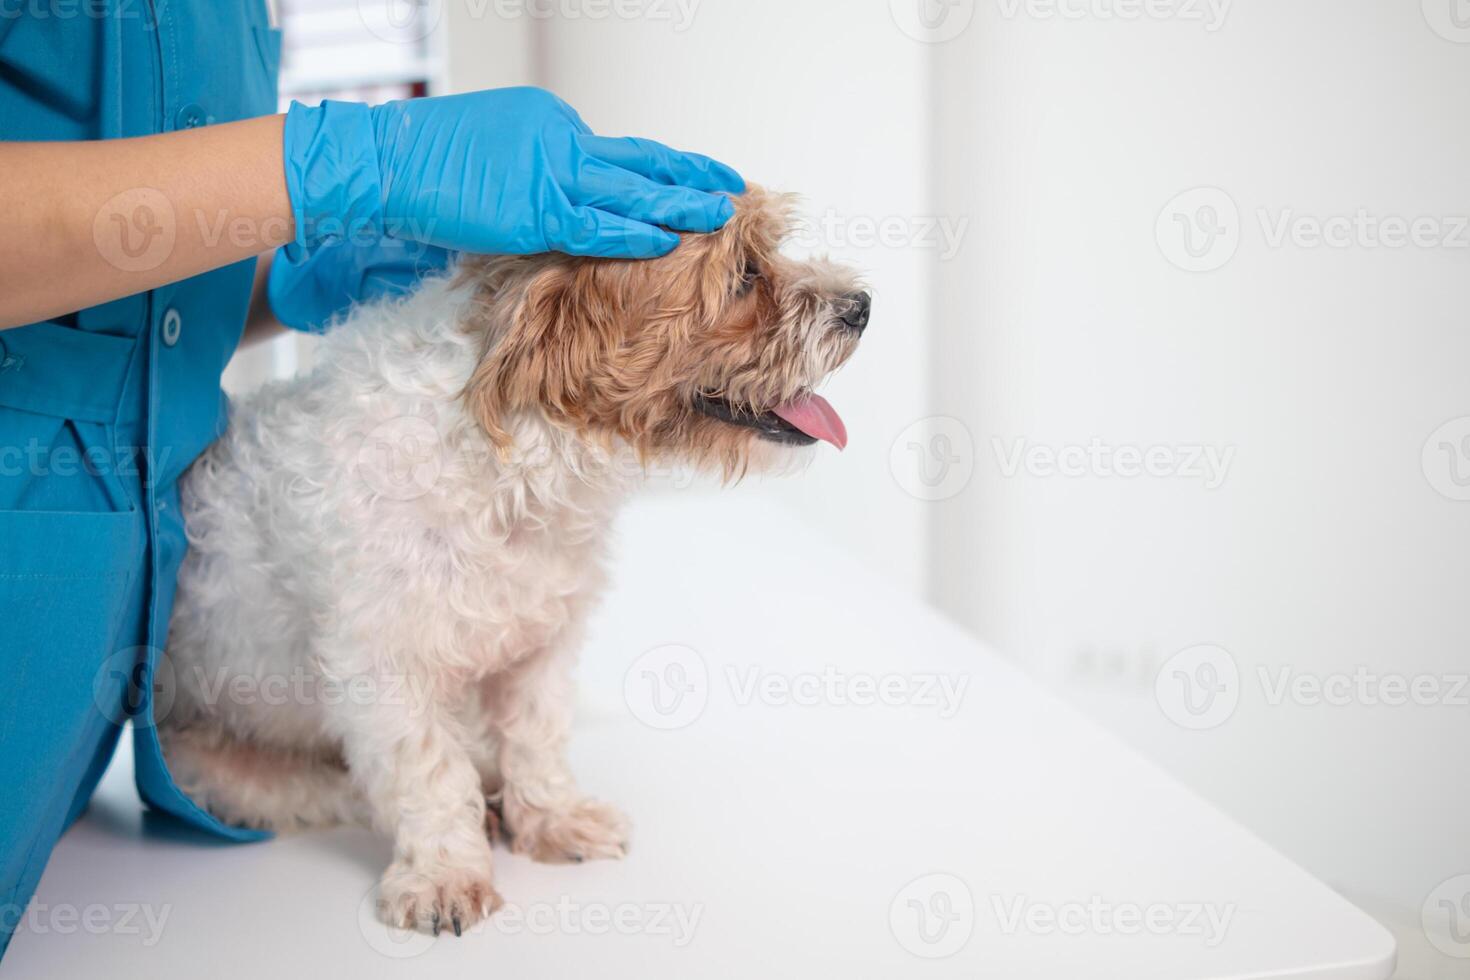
[{"x": 363, "y": 50}]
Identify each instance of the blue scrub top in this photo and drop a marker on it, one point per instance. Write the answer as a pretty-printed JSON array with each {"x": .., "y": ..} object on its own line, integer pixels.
[{"x": 89, "y": 556}]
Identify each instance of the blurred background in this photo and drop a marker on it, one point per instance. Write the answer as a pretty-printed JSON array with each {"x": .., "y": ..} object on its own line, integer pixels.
[{"x": 1166, "y": 393}]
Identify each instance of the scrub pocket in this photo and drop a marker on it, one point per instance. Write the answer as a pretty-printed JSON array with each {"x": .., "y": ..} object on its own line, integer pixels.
[{"x": 71, "y": 611}]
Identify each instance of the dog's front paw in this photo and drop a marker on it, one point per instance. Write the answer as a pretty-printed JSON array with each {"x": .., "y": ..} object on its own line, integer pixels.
[
  {"x": 446, "y": 898},
  {"x": 583, "y": 831}
]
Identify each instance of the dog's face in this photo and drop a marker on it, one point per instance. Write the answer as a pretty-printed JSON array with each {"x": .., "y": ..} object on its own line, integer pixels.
[{"x": 710, "y": 354}]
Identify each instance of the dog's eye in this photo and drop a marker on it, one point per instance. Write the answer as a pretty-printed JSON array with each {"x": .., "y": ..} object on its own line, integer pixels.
[{"x": 749, "y": 276}]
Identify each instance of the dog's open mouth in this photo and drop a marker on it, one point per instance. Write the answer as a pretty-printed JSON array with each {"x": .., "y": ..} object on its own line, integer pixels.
[{"x": 799, "y": 422}]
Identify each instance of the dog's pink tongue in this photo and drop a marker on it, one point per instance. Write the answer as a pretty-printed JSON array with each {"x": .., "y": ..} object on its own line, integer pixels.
[{"x": 816, "y": 417}]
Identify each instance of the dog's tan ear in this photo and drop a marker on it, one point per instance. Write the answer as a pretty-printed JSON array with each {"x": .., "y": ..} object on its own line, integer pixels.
[{"x": 551, "y": 354}]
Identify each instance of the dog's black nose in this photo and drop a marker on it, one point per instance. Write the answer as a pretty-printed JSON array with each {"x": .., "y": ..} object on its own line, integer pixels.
[{"x": 853, "y": 310}]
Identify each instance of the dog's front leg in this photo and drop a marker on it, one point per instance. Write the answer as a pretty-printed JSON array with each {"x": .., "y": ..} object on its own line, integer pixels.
[
  {"x": 530, "y": 707},
  {"x": 407, "y": 755}
]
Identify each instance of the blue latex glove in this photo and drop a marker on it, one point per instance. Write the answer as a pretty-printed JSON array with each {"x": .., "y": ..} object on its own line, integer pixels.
[
  {"x": 307, "y": 289},
  {"x": 500, "y": 171}
]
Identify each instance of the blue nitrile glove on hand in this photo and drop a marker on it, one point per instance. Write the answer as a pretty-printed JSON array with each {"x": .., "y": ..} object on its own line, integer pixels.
[
  {"x": 500, "y": 171},
  {"x": 308, "y": 288}
]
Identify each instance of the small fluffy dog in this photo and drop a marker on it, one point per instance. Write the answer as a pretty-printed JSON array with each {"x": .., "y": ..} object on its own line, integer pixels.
[{"x": 391, "y": 559}]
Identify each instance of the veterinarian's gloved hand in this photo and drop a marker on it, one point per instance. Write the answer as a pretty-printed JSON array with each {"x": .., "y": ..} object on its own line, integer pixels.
[
  {"x": 307, "y": 288},
  {"x": 500, "y": 171}
]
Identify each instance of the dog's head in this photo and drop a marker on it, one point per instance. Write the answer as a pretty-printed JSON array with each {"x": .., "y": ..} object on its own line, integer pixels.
[{"x": 710, "y": 354}]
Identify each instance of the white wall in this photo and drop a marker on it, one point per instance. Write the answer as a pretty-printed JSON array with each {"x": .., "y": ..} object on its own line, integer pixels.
[
  {"x": 483, "y": 51},
  {"x": 1324, "y": 369}
]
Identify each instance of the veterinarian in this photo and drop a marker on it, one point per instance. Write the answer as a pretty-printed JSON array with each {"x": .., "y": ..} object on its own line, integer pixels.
[{"x": 143, "y": 176}]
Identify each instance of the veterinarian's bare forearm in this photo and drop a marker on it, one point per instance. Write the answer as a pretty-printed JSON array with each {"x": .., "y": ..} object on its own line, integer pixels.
[{"x": 88, "y": 222}]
